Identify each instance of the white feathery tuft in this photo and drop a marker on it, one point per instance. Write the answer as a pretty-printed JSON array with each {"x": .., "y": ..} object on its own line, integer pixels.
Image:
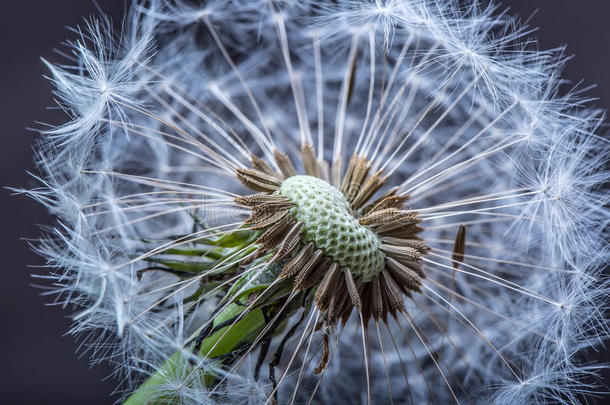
[{"x": 454, "y": 102}]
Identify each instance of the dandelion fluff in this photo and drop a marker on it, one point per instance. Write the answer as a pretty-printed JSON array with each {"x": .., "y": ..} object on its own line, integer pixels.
[{"x": 383, "y": 201}]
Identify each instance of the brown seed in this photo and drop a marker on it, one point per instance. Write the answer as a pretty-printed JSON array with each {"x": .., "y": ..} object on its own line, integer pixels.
[
  {"x": 348, "y": 174},
  {"x": 402, "y": 252},
  {"x": 377, "y": 300},
  {"x": 459, "y": 247},
  {"x": 382, "y": 217},
  {"x": 261, "y": 198},
  {"x": 308, "y": 268},
  {"x": 366, "y": 296},
  {"x": 266, "y": 209},
  {"x": 404, "y": 276},
  {"x": 390, "y": 193},
  {"x": 327, "y": 288},
  {"x": 395, "y": 219},
  {"x": 390, "y": 201},
  {"x": 338, "y": 303},
  {"x": 284, "y": 163},
  {"x": 298, "y": 261},
  {"x": 360, "y": 171},
  {"x": 262, "y": 166},
  {"x": 310, "y": 164},
  {"x": 264, "y": 221},
  {"x": 370, "y": 187},
  {"x": 310, "y": 278},
  {"x": 274, "y": 235},
  {"x": 415, "y": 266},
  {"x": 416, "y": 244},
  {"x": 352, "y": 290},
  {"x": 257, "y": 180},
  {"x": 392, "y": 293},
  {"x": 409, "y": 231},
  {"x": 290, "y": 242},
  {"x": 346, "y": 310}
]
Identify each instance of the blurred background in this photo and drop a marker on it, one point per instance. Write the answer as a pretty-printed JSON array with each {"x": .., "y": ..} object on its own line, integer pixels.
[{"x": 38, "y": 361}]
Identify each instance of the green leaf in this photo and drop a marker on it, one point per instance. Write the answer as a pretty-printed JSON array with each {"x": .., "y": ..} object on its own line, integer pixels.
[{"x": 222, "y": 342}]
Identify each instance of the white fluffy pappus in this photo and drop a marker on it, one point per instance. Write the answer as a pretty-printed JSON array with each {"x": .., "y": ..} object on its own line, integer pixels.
[{"x": 453, "y": 103}]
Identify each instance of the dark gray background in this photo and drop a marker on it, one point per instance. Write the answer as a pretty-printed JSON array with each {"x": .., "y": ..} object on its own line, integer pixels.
[{"x": 37, "y": 362}]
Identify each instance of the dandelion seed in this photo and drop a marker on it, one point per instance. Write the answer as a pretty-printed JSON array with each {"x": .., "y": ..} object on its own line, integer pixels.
[{"x": 296, "y": 201}]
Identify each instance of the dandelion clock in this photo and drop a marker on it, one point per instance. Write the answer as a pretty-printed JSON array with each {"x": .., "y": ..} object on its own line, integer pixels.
[{"x": 314, "y": 202}]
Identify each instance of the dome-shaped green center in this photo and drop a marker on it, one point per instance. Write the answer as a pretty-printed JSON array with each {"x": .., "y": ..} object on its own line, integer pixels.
[{"x": 329, "y": 223}]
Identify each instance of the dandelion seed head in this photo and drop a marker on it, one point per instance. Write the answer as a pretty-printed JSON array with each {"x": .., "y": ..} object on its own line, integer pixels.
[
  {"x": 329, "y": 223},
  {"x": 388, "y": 200}
]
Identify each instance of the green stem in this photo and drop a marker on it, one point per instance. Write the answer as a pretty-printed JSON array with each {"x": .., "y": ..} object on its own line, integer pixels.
[{"x": 222, "y": 342}]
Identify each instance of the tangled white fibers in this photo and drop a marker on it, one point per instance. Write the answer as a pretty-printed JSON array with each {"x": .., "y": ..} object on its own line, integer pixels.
[{"x": 298, "y": 201}]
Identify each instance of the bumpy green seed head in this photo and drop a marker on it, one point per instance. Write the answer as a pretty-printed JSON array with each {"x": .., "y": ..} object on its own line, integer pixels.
[{"x": 329, "y": 223}]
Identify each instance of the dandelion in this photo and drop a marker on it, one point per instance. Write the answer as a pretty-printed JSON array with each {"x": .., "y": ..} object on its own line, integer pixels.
[{"x": 384, "y": 201}]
